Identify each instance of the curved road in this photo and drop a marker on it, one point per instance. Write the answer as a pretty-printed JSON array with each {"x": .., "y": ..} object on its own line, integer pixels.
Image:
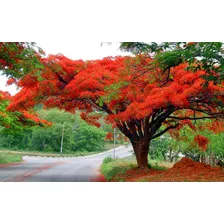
[{"x": 43, "y": 169}]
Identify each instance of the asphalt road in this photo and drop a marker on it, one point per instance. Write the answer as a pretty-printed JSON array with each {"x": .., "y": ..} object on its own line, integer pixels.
[{"x": 41, "y": 169}]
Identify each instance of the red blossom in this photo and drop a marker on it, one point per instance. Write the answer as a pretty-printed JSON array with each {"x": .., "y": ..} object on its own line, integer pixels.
[
  {"x": 11, "y": 81},
  {"x": 109, "y": 136},
  {"x": 202, "y": 141}
]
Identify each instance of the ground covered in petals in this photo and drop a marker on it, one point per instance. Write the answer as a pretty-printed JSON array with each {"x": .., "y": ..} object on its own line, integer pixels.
[{"x": 184, "y": 170}]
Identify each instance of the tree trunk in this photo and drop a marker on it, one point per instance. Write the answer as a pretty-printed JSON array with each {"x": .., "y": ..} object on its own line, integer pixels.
[{"x": 141, "y": 150}]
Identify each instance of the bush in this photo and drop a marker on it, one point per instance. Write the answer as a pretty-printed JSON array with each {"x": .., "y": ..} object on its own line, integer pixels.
[{"x": 9, "y": 158}]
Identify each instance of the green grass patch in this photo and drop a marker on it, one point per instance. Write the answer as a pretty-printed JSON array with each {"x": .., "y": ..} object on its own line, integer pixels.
[
  {"x": 160, "y": 165},
  {"x": 109, "y": 145},
  {"x": 113, "y": 167},
  {"x": 6, "y": 157}
]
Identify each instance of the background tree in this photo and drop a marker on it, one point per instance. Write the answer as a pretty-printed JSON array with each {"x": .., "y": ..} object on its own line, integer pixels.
[
  {"x": 18, "y": 59},
  {"x": 141, "y": 99},
  {"x": 215, "y": 150},
  {"x": 165, "y": 148},
  {"x": 78, "y": 136}
]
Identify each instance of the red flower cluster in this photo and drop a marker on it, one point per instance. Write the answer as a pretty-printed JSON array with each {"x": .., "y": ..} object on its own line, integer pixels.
[
  {"x": 202, "y": 141},
  {"x": 109, "y": 136},
  {"x": 35, "y": 118},
  {"x": 11, "y": 81},
  {"x": 90, "y": 119}
]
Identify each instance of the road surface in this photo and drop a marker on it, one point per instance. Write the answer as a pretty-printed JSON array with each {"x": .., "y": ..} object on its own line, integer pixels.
[{"x": 43, "y": 169}]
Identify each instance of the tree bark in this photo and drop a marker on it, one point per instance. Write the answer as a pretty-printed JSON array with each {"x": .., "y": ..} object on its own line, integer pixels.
[{"x": 141, "y": 150}]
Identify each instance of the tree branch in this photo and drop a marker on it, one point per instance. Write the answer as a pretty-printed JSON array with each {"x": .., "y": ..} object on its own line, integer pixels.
[
  {"x": 124, "y": 130},
  {"x": 164, "y": 131},
  {"x": 190, "y": 118},
  {"x": 139, "y": 126}
]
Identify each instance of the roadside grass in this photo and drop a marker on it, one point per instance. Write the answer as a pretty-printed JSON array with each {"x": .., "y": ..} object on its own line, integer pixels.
[
  {"x": 107, "y": 147},
  {"x": 116, "y": 169},
  {"x": 110, "y": 145},
  {"x": 6, "y": 157},
  {"x": 113, "y": 168}
]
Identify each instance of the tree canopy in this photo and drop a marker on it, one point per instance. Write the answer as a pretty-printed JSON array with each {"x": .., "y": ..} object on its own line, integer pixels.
[
  {"x": 18, "y": 59},
  {"x": 206, "y": 56},
  {"x": 141, "y": 97}
]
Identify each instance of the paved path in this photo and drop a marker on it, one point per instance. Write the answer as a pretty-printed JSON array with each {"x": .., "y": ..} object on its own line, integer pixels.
[{"x": 43, "y": 169}]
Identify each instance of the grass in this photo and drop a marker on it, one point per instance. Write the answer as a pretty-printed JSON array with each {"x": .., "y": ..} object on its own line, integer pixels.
[
  {"x": 115, "y": 169},
  {"x": 160, "y": 165},
  {"x": 107, "y": 147},
  {"x": 6, "y": 157}
]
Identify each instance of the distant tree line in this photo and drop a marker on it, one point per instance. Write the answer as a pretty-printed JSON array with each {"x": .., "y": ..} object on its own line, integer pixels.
[{"x": 78, "y": 135}]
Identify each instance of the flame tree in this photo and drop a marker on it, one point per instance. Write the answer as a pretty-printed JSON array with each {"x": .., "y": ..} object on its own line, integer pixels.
[
  {"x": 18, "y": 59},
  {"x": 16, "y": 120},
  {"x": 141, "y": 99}
]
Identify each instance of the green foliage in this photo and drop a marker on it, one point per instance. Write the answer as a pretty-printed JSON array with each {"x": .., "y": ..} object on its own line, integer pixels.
[
  {"x": 158, "y": 148},
  {"x": 164, "y": 148},
  {"x": 89, "y": 138},
  {"x": 206, "y": 56},
  {"x": 187, "y": 146},
  {"x": 9, "y": 158},
  {"x": 78, "y": 135},
  {"x": 216, "y": 145},
  {"x": 138, "y": 47},
  {"x": 8, "y": 119},
  {"x": 20, "y": 58}
]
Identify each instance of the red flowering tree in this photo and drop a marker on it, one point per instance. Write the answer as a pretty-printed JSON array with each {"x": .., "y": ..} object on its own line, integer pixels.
[
  {"x": 16, "y": 60},
  {"x": 16, "y": 120},
  {"x": 20, "y": 58},
  {"x": 141, "y": 99}
]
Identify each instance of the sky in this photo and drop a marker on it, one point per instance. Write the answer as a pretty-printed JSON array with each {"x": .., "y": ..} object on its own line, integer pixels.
[{"x": 73, "y": 50}]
